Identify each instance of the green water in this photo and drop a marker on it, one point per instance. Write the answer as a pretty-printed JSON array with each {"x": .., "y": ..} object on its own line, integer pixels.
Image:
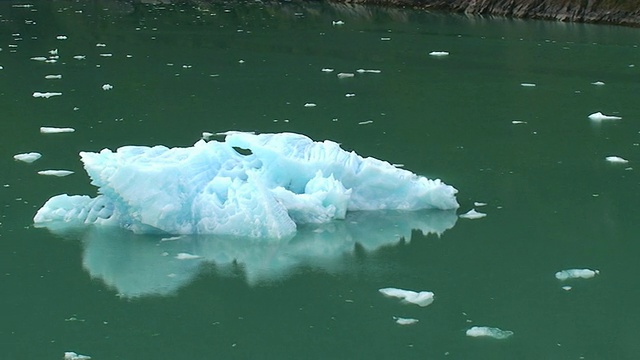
[{"x": 553, "y": 201}]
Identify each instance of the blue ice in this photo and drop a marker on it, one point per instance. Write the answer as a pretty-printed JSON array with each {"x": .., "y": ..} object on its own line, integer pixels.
[{"x": 276, "y": 184}]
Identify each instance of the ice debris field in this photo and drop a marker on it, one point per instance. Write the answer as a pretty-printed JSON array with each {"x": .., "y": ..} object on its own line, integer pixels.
[{"x": 285, "y": 180}]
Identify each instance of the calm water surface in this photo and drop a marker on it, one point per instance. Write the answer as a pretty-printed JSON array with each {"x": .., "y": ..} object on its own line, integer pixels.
[{"x": 553, "y": 201}]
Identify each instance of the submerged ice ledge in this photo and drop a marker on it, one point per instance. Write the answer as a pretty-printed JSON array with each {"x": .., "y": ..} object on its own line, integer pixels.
[{"x": 278, "y": 182}]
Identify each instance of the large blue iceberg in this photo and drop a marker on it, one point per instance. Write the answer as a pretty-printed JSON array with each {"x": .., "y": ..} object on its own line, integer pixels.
[{"x": 261, "y": 186}]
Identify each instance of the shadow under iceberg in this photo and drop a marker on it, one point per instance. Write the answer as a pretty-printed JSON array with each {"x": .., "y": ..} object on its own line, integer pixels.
[{"x": 152, "y": 265}]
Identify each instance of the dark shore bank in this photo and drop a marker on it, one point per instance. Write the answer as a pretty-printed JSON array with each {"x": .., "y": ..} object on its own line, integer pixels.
[{"x": 615, "y": 12}]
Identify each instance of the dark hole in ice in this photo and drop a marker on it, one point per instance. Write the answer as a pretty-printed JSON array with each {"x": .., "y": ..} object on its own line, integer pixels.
[{"x": 242, "y": 151}]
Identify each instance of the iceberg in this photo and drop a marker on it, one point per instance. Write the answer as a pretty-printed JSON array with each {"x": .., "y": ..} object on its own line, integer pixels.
[
  {"x": 576, "y": 274},
  {"x": 422, "y": 298},
  {"x": 258, "y": 186},
  {"x": 28, "y": 157},
  {"x": 598, "y": 116}
]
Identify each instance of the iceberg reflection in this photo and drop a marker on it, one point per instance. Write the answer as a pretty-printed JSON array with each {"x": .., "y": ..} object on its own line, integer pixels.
[{"x": 137, "y": 265}]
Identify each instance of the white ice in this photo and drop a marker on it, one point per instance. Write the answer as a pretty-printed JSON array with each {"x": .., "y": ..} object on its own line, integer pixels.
[
  {"x": 70, "y": 355},
  {"x": 600, "y": 116},
  {"x": 107, "y": 87},
  {"x": 405, "y": 321},
  {"x": 187, "y": 256},
  {"x": 616, "y": 159},
  {"x": 473, "y": 214},
  {"x": 528, "y": 84},
  {"x": 51, "y": 77},
  {"x": 58, "y": 173},
  {"x": 492, "y": 332},
  {"x": 576, "y": 274},
  {"x": 310, "y": 105},
  {"x": 345, "y": 75},
  {"x": 422, "y": 298},
  {"x": 439, "y": 53},
  {"x": 337, "y": 22},
  {"x": 210, "y": 188},
  {"x": 61, "y": 37},
  {"x": 327, "y": 70},
  {"x": 28, "y": 157},
  {"x": 597, "y": 83},
  {"x": 80, "y": 57},
  {"x": 361, "y": 71},
  {"x": 39, "y": 58},
  {"x": 46, "y": 95},
  {"x": 55, "y": 130}
]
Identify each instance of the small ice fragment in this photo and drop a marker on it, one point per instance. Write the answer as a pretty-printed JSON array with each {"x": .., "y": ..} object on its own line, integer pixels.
[
  {"x": 241, "y": 61},
  {"x": 171, "y": 238},
  {"x": 106, "y": 54},
  {"x": 350, "y": 95},
  {"x": 80, "y": 57},
  {"x": 616, "y": 159},
  {"x": 600, "y": 116},
  {"x": 1, "y": 67},
  {"x": 207, "y": 135},
  {"x": 566, "y": 288},
  {"x": 479, "y": 204},
  {"x": 46, "y": 95},
  {"x": 516, "y": 122},
  {"x": 473, "y": 214},
  {"x": 365, "y": 122},
  {"x": 107, "y": 87},
  {"x": 327, "y": 70},
  {"x": 528, "y": 84},
  {"x": 55, "y": 130},
  {"x": 337, "y": 22},
  {"x": 61, "y": 37},
  {"x": 39, "y": 58},
  {"x": 186, "y": 256},
  {"x": 345, "y": 75},
  {"x": 58, "y": 173},
  {"x": 53, "y": 52},
  {"x": 361, "y": 71},
  {"x": 28, "y": 157},
  {"x": 492, "y": 332},
  {"x": 385, "y": 38},
  {"x": 439, "y": 53},
  {"x": 50, "y": 77},
  {"x": 310, "y": 105},
  {"x": 576, "y": 274},
  {"x": 597, "y": 83},
  {"x": 70, "y": 355},
  {"x": 405, "y": 321},
  {"x": 101, "y": 45},
  {"x": 422, "y": 298}
]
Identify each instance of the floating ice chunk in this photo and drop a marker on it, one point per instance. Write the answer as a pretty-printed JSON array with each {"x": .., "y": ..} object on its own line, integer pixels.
[
  {"x": 576, "y": 274},
  {"x": 61, "y": 37},
  {"x": 600, "y": 116},
  {"x": 187, "y": 256},
  {"x": 172, "y": 238},
  {"x": 422, "y": 298},
  {"x": 106, "y": 54},
  {"x": 385, "y": 39},
  {"x": 39, "y": 58},
  {"x": 101, "y": 45},
  {"x": 53, "y": 52},
  {"x": 207, "y": 135},
  {"x": 1, "y": 67},
  {"x": 439, "y": 53},
  {"x": 327, "y": 70},
  {"x": 567, "y": 288},
  {"x": 337, "y": 22},
  {"x": 45, "y": 95},
  {"x": 365, "y": 122},
  {"x": 518, "y": 122},
  {"x": 28, "y": 157},
  {"x": 528, "y": 84},
  {"x": 106, "y": 87},
  {"x": 473, "y": 214},
  {"x": 310, "y": 105},
  {"x": 350, "y": 95},
  {"x": 70, "y": 355},
  {"x": 52, "y": 77},
  {"x": 492, "y": 332},
  {"x": 597, "y": 83},
  {"x": 211, "y": 188},
  {"x": 478, "y": 204},
  {"x": 616, "y": 159},
  {"x": 80, "y": 57},
  {"x": 58, "y": 173},
  {"x": 55, "y": 130},
  {"x": 345, "y": 75},
  {"x": 361, "y": 71},
  {"x": 405, "y": 321}
]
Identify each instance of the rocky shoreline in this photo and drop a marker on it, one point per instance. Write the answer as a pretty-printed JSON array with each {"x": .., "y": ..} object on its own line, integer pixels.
[{"x": 614, "y": 12}]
